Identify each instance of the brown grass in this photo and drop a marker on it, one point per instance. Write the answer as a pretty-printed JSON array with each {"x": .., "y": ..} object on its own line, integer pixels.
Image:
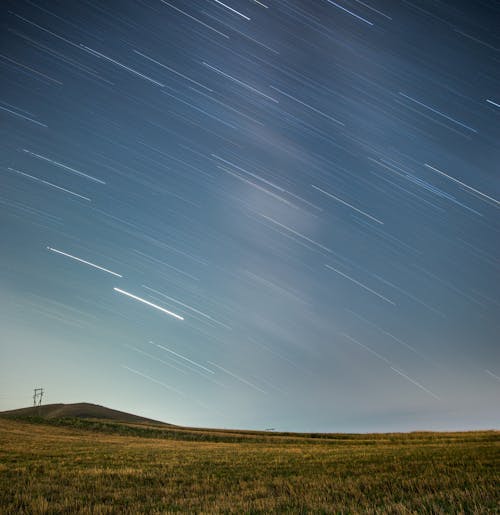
[{"x": 49, "y": 469}]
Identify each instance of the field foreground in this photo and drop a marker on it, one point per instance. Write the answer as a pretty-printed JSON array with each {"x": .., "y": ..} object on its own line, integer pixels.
[{"x": 71, "y": 465}]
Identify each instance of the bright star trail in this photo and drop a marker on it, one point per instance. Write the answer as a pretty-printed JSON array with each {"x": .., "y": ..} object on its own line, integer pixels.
[
  {"x": 144, "y": 301},
  {"x": 83, "y": 261},
  {"x": 297, "y": 201}
]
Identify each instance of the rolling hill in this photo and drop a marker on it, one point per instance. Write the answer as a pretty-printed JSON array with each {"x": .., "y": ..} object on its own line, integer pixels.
[
  {"x": 86, "y": 465},
  {"x": 82, "y": 410}
]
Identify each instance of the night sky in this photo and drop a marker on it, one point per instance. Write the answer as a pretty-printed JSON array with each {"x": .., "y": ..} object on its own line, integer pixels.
[{"x": 279, "y": 214}]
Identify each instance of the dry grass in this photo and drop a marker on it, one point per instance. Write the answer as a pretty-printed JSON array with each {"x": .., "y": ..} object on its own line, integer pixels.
[{"x": 54, "y": 469}]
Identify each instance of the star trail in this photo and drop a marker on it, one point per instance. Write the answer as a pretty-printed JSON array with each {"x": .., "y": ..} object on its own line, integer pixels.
[{"x": 253, "y": 214}]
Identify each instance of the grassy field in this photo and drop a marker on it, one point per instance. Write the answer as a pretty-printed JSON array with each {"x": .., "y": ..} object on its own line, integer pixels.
[{"x": 91, "y": 466}]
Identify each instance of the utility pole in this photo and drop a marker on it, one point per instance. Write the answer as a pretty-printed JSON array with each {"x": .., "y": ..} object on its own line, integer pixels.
[{"x": 37, "y": 399}]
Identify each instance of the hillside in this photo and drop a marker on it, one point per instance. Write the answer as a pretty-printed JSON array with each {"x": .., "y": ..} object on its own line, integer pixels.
[
  {"x": 82, "y": 410},
  {"x": 81, "y": 469}
]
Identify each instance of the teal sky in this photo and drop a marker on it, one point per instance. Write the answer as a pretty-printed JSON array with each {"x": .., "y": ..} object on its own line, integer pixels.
[{"x": 276, "y": 214}]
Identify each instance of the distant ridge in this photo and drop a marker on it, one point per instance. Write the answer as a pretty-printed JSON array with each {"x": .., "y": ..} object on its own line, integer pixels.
[{"x": 80, "y": 410}]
